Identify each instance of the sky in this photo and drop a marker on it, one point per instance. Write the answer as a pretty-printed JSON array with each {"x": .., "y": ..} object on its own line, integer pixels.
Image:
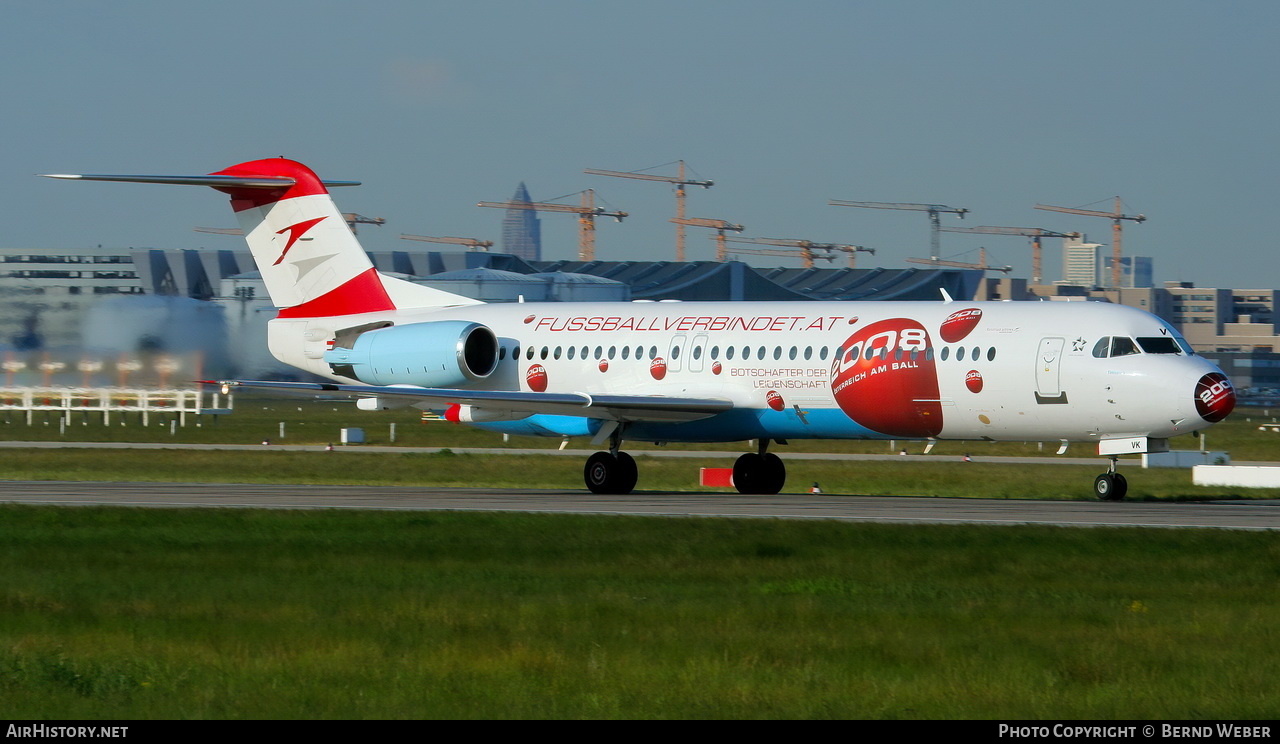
[{"x": 988, "y": 105}]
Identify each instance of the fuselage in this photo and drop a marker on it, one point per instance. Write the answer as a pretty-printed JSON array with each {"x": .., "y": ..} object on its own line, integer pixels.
[{"x": 1077, "y": 371}]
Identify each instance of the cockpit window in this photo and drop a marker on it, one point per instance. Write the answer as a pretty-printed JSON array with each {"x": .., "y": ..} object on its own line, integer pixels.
[
  {"x": 1114, "y": 346},
  {"x": 1159, "y": 345}
]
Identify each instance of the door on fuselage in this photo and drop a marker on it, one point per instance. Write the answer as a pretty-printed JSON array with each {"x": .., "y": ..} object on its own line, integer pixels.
[{"x": 1049, "y": 371}]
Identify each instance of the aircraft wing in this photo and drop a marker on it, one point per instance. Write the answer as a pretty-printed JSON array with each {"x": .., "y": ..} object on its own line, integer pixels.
[{"x": 587, "y": 405}]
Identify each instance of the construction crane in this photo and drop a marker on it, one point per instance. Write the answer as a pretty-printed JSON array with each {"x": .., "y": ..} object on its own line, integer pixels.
[
  {"x": 805, "y": 248},
  {"x": 982, "y": 263},
  {"x": 720, "y": 226},
  {"x": 351, "y": 218},
  {"x": 472, "y": 244},
  {"x": 680, "y": 182},
  {"x": 587, "y": 214},
  {"x": 1035, "y": 233},
  {"x": 933, "y": 209},
  {"x": 1117, "y": 231}
]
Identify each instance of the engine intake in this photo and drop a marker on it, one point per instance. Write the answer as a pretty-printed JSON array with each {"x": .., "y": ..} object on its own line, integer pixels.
[{"x": 442, "y": 353}]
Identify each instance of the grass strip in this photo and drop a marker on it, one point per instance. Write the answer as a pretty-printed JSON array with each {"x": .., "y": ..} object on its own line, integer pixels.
[
  {"x": 136, "y": 613},
  {"x": 905, "y": 477}
]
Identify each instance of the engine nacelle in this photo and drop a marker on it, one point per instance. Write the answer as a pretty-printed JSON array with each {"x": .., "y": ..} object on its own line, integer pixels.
[{"x": 442, "y": 353}]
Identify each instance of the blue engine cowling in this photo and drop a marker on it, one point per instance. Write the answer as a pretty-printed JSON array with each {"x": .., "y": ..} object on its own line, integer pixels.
[{"x": 443, "y": 353}]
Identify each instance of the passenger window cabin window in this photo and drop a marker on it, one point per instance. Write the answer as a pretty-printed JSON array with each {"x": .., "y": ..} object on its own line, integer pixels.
[
  {"x": 959, "y": 353},
  {"x": 571, "y": 351},
  {"x": 946, "y": 350},
  {"x": 599, "y": 352},
  {"x": 556, "y": 353},
  {"x": 626, "y": 352},
  {"x": 502, "y": 353},
  {"x": 728, "y": 353},
  {"x": 792, "y": 354},
  {"x": 528, "y": 353},
  {"x": 613, "y": 352},
  {"x": 760, "y": 353},
  {"x": 777, "y": 352},
  {"x": 991, "y": 354}
]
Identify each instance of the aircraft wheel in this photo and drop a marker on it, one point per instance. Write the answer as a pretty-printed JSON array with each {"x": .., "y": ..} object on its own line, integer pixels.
[
  {"x": 746, "y": 471},
  {"x": 1110, "y": 486},
  {"x": 605, "y": 473},
  {"x": 773, "y": 475},
  {"x": 759, "y": 474},
  {"x": 626, "y": 475},
  {"x": 599, "y": 472}
]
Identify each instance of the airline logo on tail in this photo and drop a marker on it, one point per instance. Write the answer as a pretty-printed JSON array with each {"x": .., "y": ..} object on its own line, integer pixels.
[{"x": 295, "y": 232}]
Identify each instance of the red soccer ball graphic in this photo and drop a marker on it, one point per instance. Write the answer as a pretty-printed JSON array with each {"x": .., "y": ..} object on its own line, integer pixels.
[
  {"x": 658, "y": 368},
  {"x": 775, "y": 401},
  {"x": 1215, "y": 397},
  {"x": 878, "y": 383},
  {"x": 959, "y": 324},
  {"x": 536, "y": 377},
  {"x": 715, "y": 368},
  {"x": 603, "y": 365},
  {"x": 973, "y": 381}
]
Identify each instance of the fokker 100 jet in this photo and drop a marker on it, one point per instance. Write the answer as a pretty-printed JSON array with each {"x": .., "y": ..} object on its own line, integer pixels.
[{"x": 1114, "y": 376}]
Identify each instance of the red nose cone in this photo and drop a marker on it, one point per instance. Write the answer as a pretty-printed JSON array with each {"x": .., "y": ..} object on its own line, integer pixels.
[
  {"x": 973, "y": 381},
  {"x": 1215, "y": 397},
  {"x": 959, "y": 324},
  {"x": 658, "y": 368},
  {"x": 537, "y": 378}
]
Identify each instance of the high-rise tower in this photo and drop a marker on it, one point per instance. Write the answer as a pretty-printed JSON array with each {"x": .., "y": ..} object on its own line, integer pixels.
[{"x": 521, "y": 229}]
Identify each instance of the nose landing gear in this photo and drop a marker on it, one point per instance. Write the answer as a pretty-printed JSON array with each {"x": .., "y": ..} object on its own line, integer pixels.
[{"x": 1110, "y": 486}]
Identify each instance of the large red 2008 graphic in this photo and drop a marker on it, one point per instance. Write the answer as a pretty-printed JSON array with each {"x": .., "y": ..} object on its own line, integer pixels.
[{"x": 887, "y": 382}]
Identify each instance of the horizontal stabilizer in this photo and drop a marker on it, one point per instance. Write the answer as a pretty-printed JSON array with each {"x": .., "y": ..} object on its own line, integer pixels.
[{"x": 244, "y": 182}]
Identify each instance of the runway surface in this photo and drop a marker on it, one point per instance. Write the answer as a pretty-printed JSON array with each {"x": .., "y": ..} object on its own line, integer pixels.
[{"x": 1245, "y": 515}]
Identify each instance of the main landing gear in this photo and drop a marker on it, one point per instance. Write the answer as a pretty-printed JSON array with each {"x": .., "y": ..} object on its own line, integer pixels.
[
  {"x": 614, "y": 472},
  {"x": 1110, "y": 486},
  {"x": 759, "y": 472},
  {"x": 610, "y": 472}
]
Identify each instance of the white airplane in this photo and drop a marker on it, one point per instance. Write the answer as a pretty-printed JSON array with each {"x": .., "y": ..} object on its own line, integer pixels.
[{"x": 707, "y": 371}]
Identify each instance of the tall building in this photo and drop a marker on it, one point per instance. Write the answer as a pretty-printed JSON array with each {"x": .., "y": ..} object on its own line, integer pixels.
[
  {"x": 1136, "y": 272},
  {"x": 521, "y": 229},
  {"x": 1080, "y": 262}
]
